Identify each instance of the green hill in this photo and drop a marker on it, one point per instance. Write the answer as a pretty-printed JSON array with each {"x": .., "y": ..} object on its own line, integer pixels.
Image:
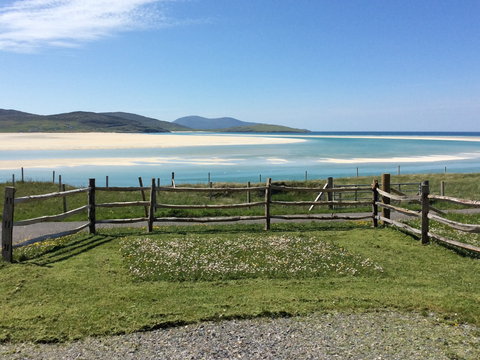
[
  {"x": 78, "y": 121},
  {"x": 202, "y": 123}
]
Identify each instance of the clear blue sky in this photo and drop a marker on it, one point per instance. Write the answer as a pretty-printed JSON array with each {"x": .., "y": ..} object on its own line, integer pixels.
[{"x": 405, "y": 65}]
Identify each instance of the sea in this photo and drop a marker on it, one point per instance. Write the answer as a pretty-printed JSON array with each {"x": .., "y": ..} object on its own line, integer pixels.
[{"x": 318, "y": 156}]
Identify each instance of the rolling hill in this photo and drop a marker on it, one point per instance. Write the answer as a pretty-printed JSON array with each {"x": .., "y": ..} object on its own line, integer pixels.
[
  {"x": 82, "y": 121},
  {"x": 201, "y": 123}
]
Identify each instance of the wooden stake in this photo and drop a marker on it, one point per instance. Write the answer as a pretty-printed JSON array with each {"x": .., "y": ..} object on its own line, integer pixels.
[
  {"x": 267, "y": 204},
  {"x": 153, "y": 201},
  {"x": 64, "y": 200},
  {"x": 386, "y": 200},
  {"x": 330, "y": 195},
  {"x": 425, "y": 210},
  {"x": 442, "y": 188},
  {"x": 374, "y": 203},
  {"x": 7, "y": 224},
  {"x": 143, "y": 195},
  {"x": 91, "y": 202}
]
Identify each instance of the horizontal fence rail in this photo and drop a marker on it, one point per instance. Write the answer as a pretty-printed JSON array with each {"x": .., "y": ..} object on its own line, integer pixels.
[{"x": 329, "y": 191}]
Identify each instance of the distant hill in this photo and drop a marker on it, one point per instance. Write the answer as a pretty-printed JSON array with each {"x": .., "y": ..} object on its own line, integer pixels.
[
  {"x": 263, "y": 128},
  {"x": 170, "y": 126},
  {"x": 121, "y": 122},
  {"x": 201, "y": 123},
  {"x": 80, "y": 121}
]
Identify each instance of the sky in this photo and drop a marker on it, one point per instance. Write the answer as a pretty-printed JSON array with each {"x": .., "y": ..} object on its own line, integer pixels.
[{"x": 322, "y": 65}]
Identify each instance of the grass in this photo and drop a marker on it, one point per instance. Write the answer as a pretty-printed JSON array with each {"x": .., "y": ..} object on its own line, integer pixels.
[
  {"x": 83, "y": 285},
  {"x": 465, "y": 186}
]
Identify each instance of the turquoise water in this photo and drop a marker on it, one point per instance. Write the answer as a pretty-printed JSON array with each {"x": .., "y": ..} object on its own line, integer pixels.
[{"x": 280, "y": 162}]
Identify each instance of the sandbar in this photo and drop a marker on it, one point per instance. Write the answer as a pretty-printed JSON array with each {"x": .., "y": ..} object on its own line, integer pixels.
[
  {"x": 411, "y": 159},
  {"x": 93, "y": 141}
]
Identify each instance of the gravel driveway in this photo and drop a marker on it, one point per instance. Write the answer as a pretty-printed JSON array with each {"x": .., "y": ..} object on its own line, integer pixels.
[{"x": 376, "y": 335}]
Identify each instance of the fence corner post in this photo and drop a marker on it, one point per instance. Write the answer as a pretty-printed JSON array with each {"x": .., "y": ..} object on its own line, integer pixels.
[
  {"x": 7, "y": 224},
  {"x": 386, "y": 200},
  {"x": 267, "y": 204},
  {"x": 374, "y": 203},
  {"x": 425, "y": 210},
  {"x": 91, "y": 203},
  {"x": 153, "y": 201}
]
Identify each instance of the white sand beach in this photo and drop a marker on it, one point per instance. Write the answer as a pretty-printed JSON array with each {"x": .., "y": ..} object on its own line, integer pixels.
[
  {"x": 399, "y": 160},
  {"x": 91, "y": 141}
]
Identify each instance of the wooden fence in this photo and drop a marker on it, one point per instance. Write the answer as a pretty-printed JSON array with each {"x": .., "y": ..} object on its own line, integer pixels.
[{"x": 151, "y": 205}]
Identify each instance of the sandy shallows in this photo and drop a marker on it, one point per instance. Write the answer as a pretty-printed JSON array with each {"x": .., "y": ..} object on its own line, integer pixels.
[{"x": 79, "y": 141}]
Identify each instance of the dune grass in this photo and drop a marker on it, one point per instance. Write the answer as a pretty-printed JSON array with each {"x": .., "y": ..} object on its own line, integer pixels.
[{"x": 82, "y": 285}]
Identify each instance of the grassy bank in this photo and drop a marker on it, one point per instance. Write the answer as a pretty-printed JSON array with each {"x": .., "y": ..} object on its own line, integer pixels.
[
  {"x": 84, "y": 285},
  {"x": 465, "y": 186}
]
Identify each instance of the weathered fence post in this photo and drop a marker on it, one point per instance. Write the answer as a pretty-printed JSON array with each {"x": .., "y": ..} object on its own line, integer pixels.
[
  {"x": 425, "y": 210},
  {"x": 91, "y": 202},
  {"x": 267, "y": 204},
  {"x": 23, "y": 179},
  {"x": 153, "y": 201},
  {"x": 442, "y": 188},
  {"x": 106, "y": 181},
  {"x": 143, "y": 196},
  {"x": 386, "y": 200},
  {"x": 305, "y": 176},
  {"x": 248, "y": 193},
  {"x": 59, "y": 183},
  {"x": 329, "y": 194},
  {"x": 357, "y": 171},
  {"x": 210, "y": 184},
  {"x": 7, "y": 224},
  {"x": 13, "y": 180},
  {"x": 64, "y": 200},
  {"x": 173, "y": 179},
  {"x": 398, "y": 169},
  {"x": 374, "y": 203},
  {"x": 53, "y": 181}
]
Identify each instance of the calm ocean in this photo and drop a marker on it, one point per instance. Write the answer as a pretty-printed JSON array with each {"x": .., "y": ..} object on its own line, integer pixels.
[{"x": 321, "y": 154}]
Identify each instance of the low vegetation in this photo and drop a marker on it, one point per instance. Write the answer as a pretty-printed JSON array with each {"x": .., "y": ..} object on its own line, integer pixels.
[{"x": 125, "y": 279}]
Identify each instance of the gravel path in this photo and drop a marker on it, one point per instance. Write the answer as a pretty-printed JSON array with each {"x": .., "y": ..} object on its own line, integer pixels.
[{"x": 380, "y": 335}]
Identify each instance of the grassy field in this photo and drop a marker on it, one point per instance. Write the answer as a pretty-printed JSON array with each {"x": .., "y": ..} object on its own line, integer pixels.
[
  {"x": 465, "y": 186},
  {"x": 125, "y": 279},
  {"x": 84, "y": 285}
]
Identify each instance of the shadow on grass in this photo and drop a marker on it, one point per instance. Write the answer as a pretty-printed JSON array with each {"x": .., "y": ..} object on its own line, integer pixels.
[{"x": 62, "y": 252}]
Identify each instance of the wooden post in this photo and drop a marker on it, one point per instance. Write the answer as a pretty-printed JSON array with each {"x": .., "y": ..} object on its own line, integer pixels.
[
  {"x": 330, "y": 195},
  {"x": 13, "y": 180},
  {"x": 260, "y": 177},
  {"x": 7, "y": 224},
  {"x": 158, "y": 185},
  {"x": 357, "y": 171},
  {"x": 64, "y": 200},
  {"x": 305, "y": 175},
  {"x": 59, "y": 183},
  {"x": 143, "y": 196},
  {"x": 208, "y": 180},
  {"x": 173, "y": 179},
  {"x": 425, "y": 210},
  {"x": 442, "y": 188},
  {"x": 267, "y": 204},
  {"x": 153, "y": 201},
  {"x": 445, "y": 171},
  {"x": 53, "y": 177},
  {"x": 374, "y": 203},
  {"x": 106, "y": 181},
  {"x": 398, "y": 169},
  {"x": 91, "y": 202},
  {"x": 210, "y": 184},
  {"x": 386, "y": 200},
  {"x": 248, "y": 193},
  {"x": 23, "y": 179}
]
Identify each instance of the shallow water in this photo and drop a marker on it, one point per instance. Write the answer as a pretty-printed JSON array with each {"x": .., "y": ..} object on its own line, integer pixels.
[{"x": 319, "y": 156}]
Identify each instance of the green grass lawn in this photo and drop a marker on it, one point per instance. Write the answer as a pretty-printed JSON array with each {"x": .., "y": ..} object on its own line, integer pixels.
[{"x": 83, "y": 285}]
